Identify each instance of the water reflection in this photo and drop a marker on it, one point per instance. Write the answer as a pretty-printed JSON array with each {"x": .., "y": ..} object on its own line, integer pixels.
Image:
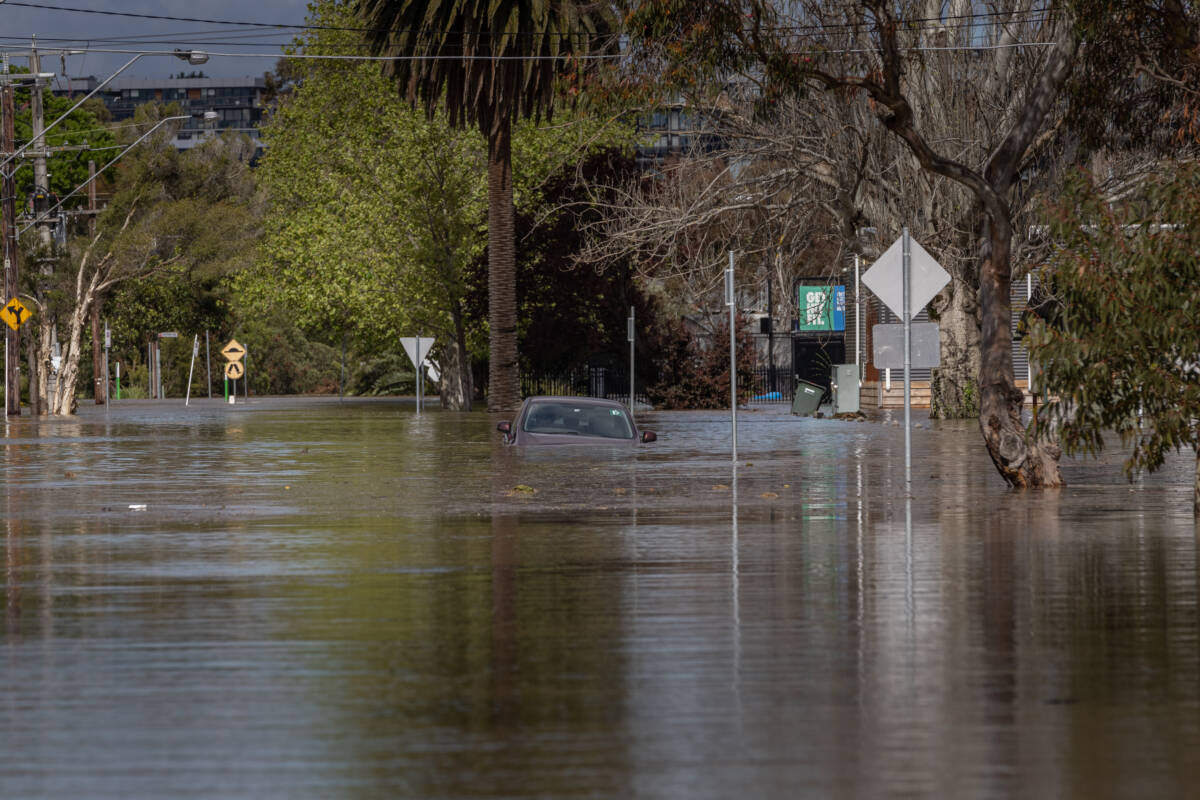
[{"x": 325, "y": 599}]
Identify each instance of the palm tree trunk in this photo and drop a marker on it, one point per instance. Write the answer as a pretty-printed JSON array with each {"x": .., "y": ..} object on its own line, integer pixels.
[{"x": 504, "y": 391}]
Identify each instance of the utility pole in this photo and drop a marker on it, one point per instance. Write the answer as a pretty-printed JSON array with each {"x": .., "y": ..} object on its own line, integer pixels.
[
  {"x": 41, "y": 193},
  {"x": 99, "y": 358},
  {"x": 8, "y": 205},
  {"x": 41, "y": 180}
]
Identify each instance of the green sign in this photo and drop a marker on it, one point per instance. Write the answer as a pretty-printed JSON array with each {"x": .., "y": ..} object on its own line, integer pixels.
[{"x": 822, "y": 308}]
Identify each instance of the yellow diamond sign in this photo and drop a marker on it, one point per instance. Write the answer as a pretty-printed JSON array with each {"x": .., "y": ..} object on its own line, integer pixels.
[
  {"x": 14, "y": 313},
  {"x": 233, "y": 351}
]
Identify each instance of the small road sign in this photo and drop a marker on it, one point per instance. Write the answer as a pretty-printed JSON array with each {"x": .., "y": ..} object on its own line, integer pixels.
[
  {"x": 889, "y": 346},
  {"x": 15, "y": 313},
  {"x": 410, "y": 347},
  {"x": 233, "y": 351},
  {"x": 234, "y": 370}
]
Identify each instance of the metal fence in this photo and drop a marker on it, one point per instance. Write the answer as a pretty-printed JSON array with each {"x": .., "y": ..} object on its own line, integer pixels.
[{"x": 611, "y": 383}]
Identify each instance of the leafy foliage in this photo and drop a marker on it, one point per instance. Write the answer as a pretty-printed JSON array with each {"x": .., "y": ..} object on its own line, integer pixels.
[
  {"x": 480, "y": 60},
  {"x": 694, "y": 370},
  {"x": 1121, "y": 350},
  {"x": 84, "y": 128}
]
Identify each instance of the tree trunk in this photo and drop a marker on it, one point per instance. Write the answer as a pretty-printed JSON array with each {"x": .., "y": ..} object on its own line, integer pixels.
[
  {"x": 504, "y": 391},
  {"x": 1023, "y": 461},
  {"x": 457, "y": 386},
  {"x": 954, "y": 393},
  {"x": 31, "y": 354},
  {"x": 45, "y": 364},
  {"x": 1196, "y": 488},
  {"x": 68, "y": 373}
]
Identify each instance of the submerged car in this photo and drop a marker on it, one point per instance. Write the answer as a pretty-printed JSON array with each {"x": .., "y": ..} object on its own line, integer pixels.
[{"x": 573, "y": 420}]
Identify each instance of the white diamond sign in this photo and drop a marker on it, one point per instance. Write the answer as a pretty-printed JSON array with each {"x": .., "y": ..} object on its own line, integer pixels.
[
  {"x": 411, "y": 347},
  {"x": 926, "y": 277}
]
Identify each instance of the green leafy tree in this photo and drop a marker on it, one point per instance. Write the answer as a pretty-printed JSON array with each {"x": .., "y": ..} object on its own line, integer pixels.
[
  {"x": 488, "y": 63},
  {"x": 184, "y": 218},
  {"x": 376, "y": 218},
  {"x": 1120, "y": 350},
  {"x": 83, "y": 136}
]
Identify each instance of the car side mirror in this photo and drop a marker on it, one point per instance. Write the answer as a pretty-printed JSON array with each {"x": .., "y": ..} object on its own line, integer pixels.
[
  {"x": 505, "y": 428},
  {"x": 649, "y": 436}
]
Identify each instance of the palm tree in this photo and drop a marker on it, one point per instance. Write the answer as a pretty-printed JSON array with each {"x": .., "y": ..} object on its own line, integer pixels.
[{"x": 488, "y": 62}]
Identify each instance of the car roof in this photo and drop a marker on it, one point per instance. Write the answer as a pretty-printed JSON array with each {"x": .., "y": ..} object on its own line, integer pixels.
[{"x": 580, "y": 401}]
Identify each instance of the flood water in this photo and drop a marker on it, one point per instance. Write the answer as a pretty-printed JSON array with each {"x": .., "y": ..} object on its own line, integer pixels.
[{"x": 324, "y": 599}]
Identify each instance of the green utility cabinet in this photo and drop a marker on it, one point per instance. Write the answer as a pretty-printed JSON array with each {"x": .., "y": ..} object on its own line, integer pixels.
[{"x": 845, "y": 388}]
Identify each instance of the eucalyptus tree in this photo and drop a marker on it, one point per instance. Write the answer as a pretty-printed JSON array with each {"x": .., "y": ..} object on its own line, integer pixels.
[
  {"x": 185, "y": 214},
  {"x": 1119, "y": 347},
  {"x": 489, "y": 63},
  {"x": 878, "y": 51}
]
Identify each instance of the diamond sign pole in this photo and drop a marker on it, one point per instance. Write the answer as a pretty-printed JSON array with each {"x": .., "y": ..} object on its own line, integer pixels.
[
  {"x": 906, "y": 259},
  {"x": 732, "y": 353},
  {"x": 905, "y": 278}
]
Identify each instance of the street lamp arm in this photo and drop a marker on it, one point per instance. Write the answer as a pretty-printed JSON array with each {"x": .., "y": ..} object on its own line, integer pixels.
[
  {"x": 46, "y": 214},
  {"x": 86, "y": 97}
]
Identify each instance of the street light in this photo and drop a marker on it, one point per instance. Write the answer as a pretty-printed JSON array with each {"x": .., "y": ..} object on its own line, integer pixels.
[
  {"x": 196, "y": 57},
  {"x": 206, "y": 116},
  {"x": 191, "y": 56}
]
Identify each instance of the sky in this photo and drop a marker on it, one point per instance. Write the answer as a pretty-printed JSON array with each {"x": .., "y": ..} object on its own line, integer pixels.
[{"x": 76, "y": 24}]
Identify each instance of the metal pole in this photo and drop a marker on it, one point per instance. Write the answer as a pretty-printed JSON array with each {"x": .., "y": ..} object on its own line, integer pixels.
[
  {"x": 208, "y": 363},
  {"x": 419, "y": 381},
  {"x": 905, "y": 277},
  {"x": 629, "y": 335},
  {"x": 107, "y": 346},
  {"x": 192, "y": 369},
  {"x": 150, "y": 368},
  {"x": 245, "y": 377},
  {"x": 770, "y": 337},
  {"x": 118, "y": 380},
  {"x": 158, "y": 368},
  {"x": 857, "y": 322},
  {"x": 40, "y": 179},
  {"x": 8, "y": 211},
  {"x": 729, "y": 300}
]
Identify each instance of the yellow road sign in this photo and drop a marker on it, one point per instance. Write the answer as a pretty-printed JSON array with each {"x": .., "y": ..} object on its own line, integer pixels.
[
  {"x": 14, "y": 313},
  {"x": 233, "y": 351},
  {"x": 234, "y": 370}
]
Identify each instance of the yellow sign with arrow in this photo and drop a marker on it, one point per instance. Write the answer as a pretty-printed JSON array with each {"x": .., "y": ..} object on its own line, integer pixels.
[{"x": 15, "y": 313}]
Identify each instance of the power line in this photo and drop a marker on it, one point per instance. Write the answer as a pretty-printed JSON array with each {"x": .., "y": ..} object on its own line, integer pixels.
[{"x": 966, "y": 19}]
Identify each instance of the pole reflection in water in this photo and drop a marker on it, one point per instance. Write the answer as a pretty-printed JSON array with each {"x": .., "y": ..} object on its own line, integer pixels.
[{"x": 327, "y": 599}]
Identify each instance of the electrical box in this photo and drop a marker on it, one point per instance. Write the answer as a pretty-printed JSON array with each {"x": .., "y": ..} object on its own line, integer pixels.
[{"x": 845, "y": 388}]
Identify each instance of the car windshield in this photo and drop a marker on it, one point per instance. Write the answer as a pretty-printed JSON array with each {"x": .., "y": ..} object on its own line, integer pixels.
[{"x": 578, "y": 420}]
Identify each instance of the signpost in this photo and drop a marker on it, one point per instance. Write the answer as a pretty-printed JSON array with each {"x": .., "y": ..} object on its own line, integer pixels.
[
  {"x": 192, "y": 368},
  {"x": 417, "y": 348},
  {"x": 729, "y": 301},
  {"x": 629, "y": 335},
  {"x": 905, "y": 278},
  {"x": 234, "y": 369}
]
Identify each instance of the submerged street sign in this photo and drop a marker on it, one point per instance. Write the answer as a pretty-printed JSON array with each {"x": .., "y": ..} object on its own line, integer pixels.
[
  {"x": 15, "y": 313},
  {"x": 233, "y": 351}
]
